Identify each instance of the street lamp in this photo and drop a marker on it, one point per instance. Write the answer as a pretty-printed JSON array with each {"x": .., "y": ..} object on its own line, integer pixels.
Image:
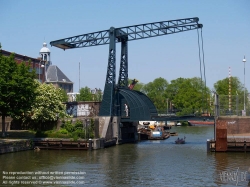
[
  {"x": 167, "y": 105},
  {"x": 244, "y": 60},
  {"x": 40, "y": 65}
]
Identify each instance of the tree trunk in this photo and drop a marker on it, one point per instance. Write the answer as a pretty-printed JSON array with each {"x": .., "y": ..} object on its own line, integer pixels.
[{"x": 3, "y": 125}]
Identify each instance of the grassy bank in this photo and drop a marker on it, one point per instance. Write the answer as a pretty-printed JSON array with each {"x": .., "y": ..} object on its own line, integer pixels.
[{"x": 68, "y": 129}]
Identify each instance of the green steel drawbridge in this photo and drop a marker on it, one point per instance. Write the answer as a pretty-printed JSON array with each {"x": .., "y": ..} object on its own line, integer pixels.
[{"x": 117, "y": 95}]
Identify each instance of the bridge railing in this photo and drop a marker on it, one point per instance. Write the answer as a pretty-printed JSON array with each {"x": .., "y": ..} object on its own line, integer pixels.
[{"x": 232, "y": 105}]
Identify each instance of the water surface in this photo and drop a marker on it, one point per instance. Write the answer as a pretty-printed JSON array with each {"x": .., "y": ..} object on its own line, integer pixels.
[{"x": 146, "y": 163}]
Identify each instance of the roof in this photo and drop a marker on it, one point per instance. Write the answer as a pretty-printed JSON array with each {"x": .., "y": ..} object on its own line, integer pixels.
[
  {"x": 54, "y": 74},
  {"x": 19, "y": 56},
  {"x": 44, "y": 48}
]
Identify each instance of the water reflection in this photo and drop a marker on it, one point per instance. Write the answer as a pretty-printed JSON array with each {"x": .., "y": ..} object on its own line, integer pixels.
[
  {"x": 230, "y": 166},
  {"x": 147, "y": 163}
]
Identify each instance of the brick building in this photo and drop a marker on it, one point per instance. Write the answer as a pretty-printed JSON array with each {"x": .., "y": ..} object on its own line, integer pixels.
[
  {"x": 35, "y": 63},
  {"x": 46, "y": 72}
]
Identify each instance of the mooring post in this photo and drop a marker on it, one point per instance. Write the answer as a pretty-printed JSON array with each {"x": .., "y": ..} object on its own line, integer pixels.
[
  {"x": 245, "y": 146},
  {"x": 102, "y": 143},
  {"x": 208, "y": 145},
  {"x": 90, "y": 144},
  {"x": 60, "y": 145}
]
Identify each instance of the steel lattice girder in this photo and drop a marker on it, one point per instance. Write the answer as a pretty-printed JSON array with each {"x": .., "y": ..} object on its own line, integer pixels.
[
  {"x": 128, "y": 33},
  {"x": 123, "y": 73},
  {"x": 124, "y": 34},
  {"x": 106, "y": 108}
]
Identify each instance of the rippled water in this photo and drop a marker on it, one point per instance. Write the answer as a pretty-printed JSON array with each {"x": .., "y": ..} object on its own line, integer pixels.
[{"x": 147, "y": 163}]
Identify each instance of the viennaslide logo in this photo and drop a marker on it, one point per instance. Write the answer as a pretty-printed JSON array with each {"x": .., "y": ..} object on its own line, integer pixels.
[{"x": 235, "y": 176}]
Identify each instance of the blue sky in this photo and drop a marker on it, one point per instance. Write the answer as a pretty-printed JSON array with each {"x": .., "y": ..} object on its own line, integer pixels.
[{"x": 26, "y": 24}]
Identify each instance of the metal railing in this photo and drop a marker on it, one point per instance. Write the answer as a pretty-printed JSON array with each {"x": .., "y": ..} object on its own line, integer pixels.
[{"x": 233, "y": 105}]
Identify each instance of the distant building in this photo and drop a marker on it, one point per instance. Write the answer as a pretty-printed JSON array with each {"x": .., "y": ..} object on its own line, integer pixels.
[
  {"x": 35, "y": 63},
  {"x": 72, "y": 96},
  {"x": 53, "y": 74},
  {"x": 56, "y": 77},
  {"x": 46, "y": 72}
]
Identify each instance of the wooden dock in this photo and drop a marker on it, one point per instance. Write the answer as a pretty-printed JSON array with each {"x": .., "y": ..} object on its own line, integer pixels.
[
  {"x": 231, "y": 146},
  {"x": 63, "y": 144}
]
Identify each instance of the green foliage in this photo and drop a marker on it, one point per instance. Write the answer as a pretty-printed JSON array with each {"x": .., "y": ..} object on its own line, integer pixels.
[
  {"x": 48, "y": 105},
  {"x": 190, "y": 96},
  {"x": 98, "y": 95},
  {"x": 222, "y": 86},
  {"x": 237, "y": 94},
  {"x": 78, "y": 124},
  {"x": 70, "y": 130},
  {"x": 156, "y": 91},
  {"x": 17, "y": 88},
  {"x": 64, "y": 95},
  {"x": 85, "y": 95},
  {"x": 51, "y": 134},
  {"x": 63, "y": 131},
  {"x": 184, "y": 96}
]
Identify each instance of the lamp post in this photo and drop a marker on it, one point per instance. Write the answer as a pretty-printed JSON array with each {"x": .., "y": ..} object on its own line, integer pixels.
[
  {"x": 244, "y": 60},
  {"x": 40, "y": 65},
  {"x": 167, "y": 105}
]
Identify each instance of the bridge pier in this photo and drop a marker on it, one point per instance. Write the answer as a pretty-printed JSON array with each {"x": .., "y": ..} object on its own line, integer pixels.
[
  {"x": 117, "y": 129},
  {"x": 111, "y": 128},
  {"x": 129, "y": 132},
  {"x": 232, "y": 133},
  {"x": 105, "y": 128}
]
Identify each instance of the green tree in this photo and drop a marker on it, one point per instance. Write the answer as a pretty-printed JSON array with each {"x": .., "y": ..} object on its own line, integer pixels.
[
  {"x": 188, "y": 96},
  {"x": 85, "y": 95},
  {"x": 222, "y": 86},
  {"x": 65, "y": 96},
  {"x": 173, "y": 89},
  {"x": 156, "y": 91},
  {"x": 48, "y": 105},
  {"x": 237, "y": 94},
  {"x": 17, "y": 88},
  {"x": 98, "y": 95}
]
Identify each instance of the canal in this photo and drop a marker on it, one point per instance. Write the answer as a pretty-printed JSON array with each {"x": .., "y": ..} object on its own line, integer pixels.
[{"x": 146, "y": 163}]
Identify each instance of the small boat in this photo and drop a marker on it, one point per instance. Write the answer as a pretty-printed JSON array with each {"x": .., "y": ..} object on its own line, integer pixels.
[
  {"x": 180, "y": 140},
  {"x": 178, "y": 124},
  {"x": 156, "y": 133},
  {"x": 173, "y": 134},
  {"x": 200, "y": 123},
  {"x": 36, "y": 148}
]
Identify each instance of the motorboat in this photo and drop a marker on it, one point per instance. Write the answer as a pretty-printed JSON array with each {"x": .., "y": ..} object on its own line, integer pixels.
[{"x": 180, "y": 140}]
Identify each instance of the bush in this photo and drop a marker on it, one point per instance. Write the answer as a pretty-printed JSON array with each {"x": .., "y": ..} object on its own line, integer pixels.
[
  {"x": 41, "y": 134},
  {"x": 79, "y": 133},
  {"x": 70, "y": 130},
  {"x": 63, "y": 131},
  {"x": 78, "y": 124}
]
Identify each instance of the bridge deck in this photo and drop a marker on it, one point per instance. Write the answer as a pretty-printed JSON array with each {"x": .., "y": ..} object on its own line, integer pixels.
[{"x": 175, "y": 118}]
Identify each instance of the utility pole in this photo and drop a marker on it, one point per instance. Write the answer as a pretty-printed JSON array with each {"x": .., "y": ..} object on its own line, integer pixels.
[
  {"x": 79, "y": 76},
  {"x": 244, "y": 61}
]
